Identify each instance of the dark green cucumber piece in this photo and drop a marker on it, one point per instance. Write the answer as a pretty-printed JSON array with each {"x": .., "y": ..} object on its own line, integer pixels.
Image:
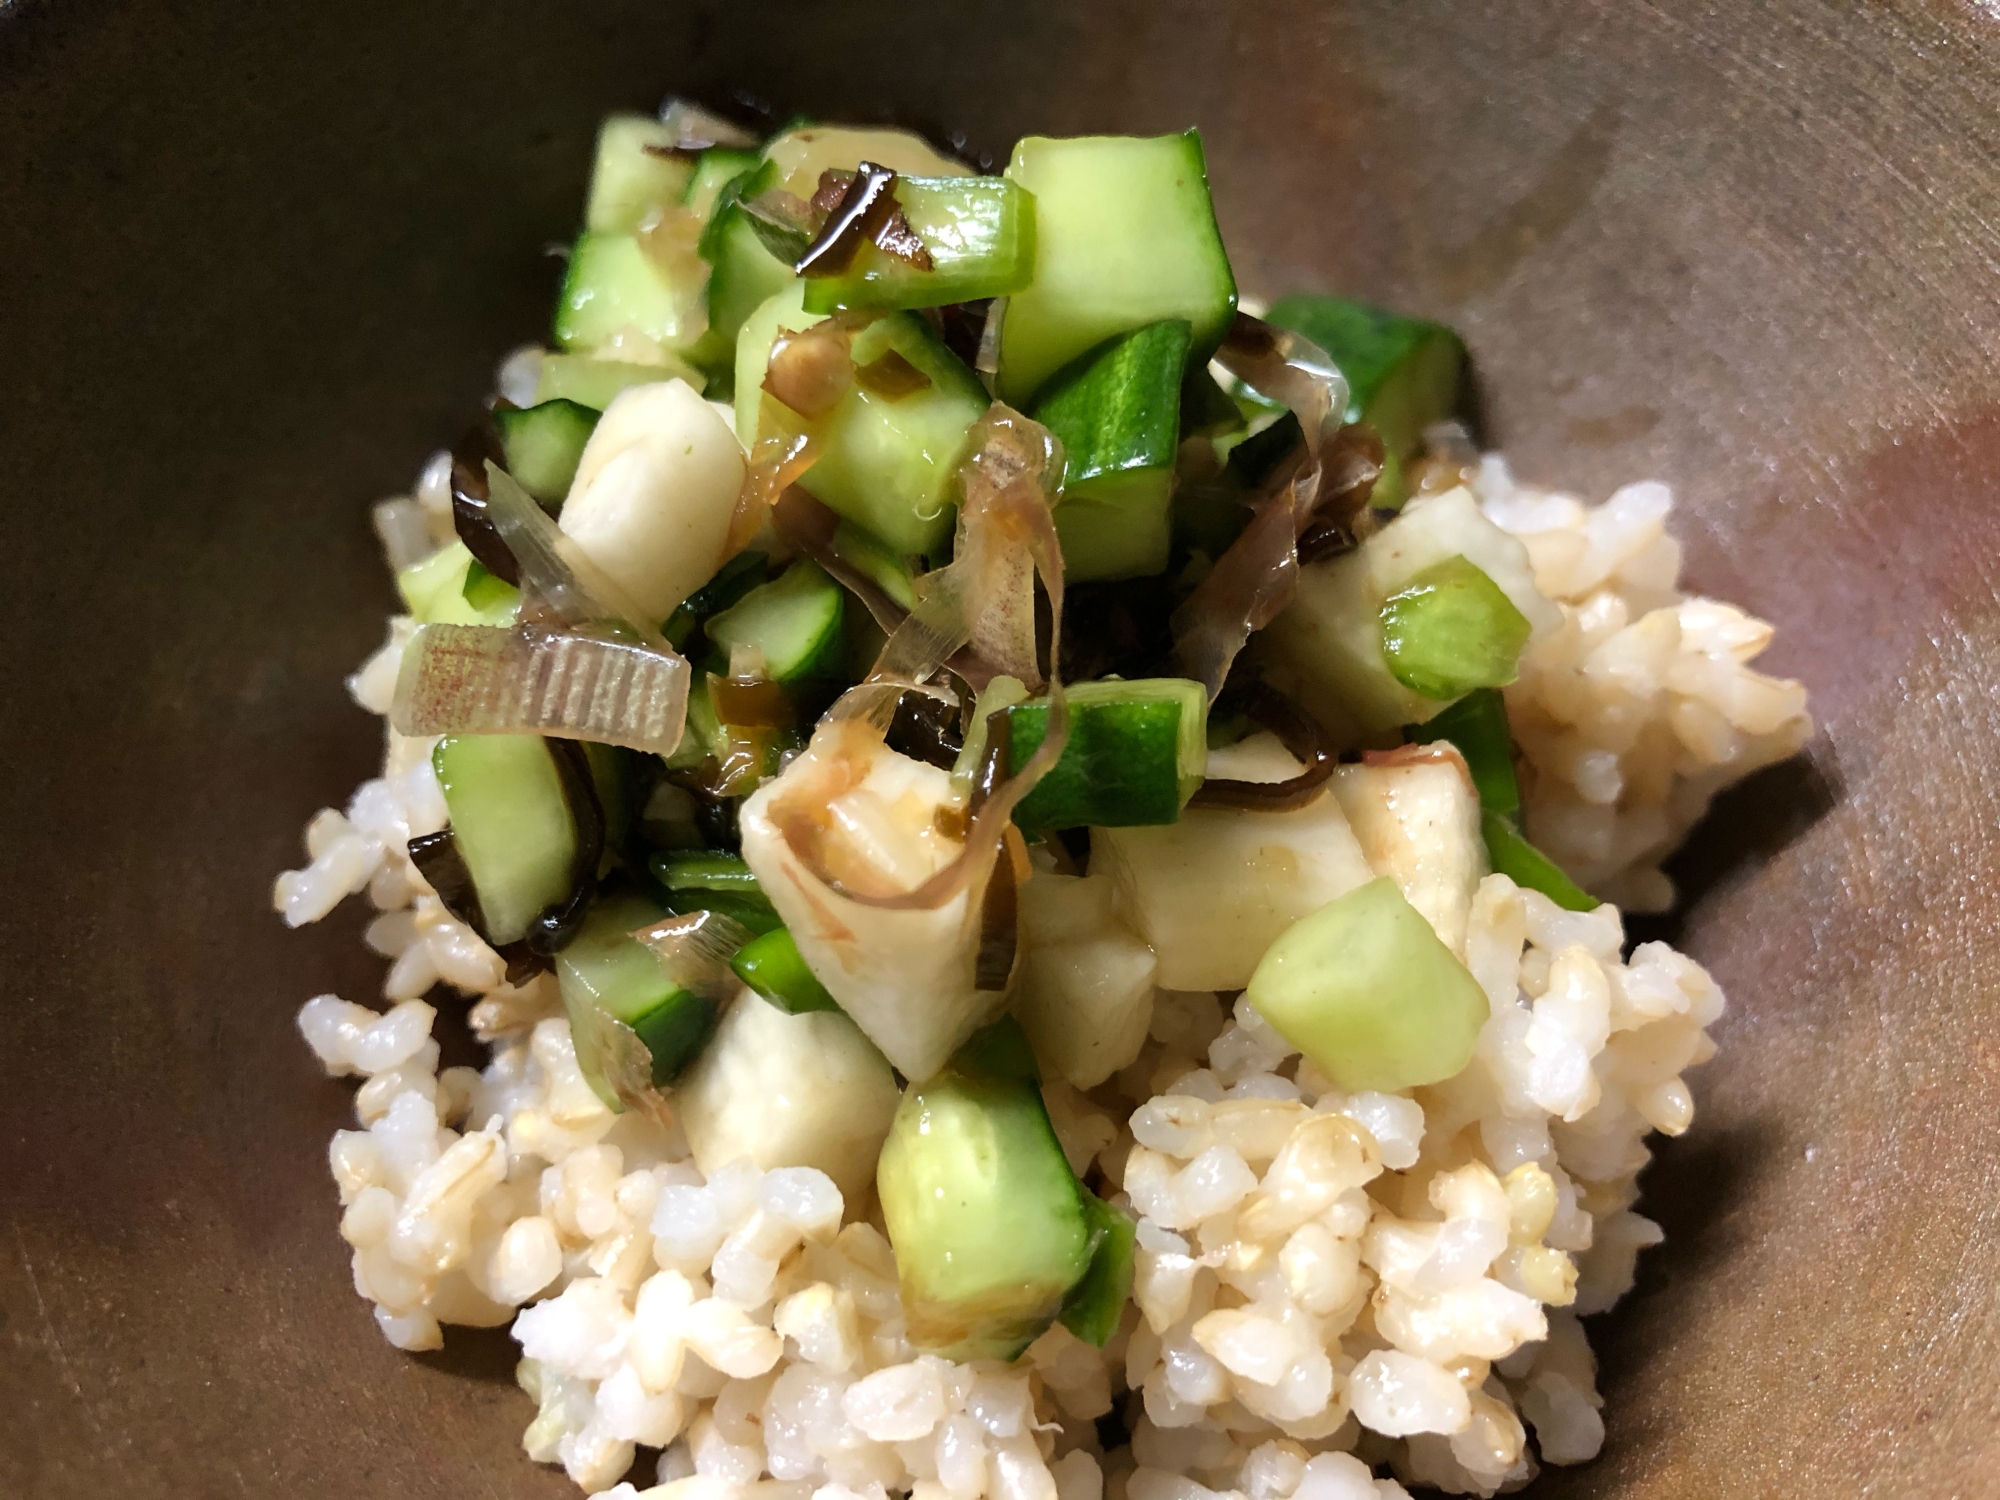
[
  {"x": 1521, "y": 862},
  {"x": 1096, "y": 1304},
  {"x": 771, "y": 965},
  {"x": 544, "y": 443},
  {"x": 791, "y": 625},
  {"x": 605, "y": 967},
  {"x": 1118, "y": 413},
  {"x": 1125, "y": 235},
  {"x": 743, "y": 273},
  {"x": 1450, "y": 629},
  {"x": 613, "y": 286},
  {"x": 619, "y": 778},
  {"x": 890, "y": 460},
  {"x": 735, "y": 578},
  {"x": 989, "y": 1225},
  {"x": 1403, "y": 374},
  {"x": 714, "y": 170},
  {"x": 1135, "y": 754},
  {"x": 1477, "y": 725},
  {"x": 518, "y": 827},
  {"x": 869, "y": 557},
  {"x": 594, "y": 383},
  {"x": 978, "y": 231},
  {"x": 637, "y": 171}
]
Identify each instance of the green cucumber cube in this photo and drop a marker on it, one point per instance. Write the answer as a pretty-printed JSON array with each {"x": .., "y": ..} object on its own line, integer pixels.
[
  {"x": 1135, "y": 754},
  {"x": 606, "y": 967},
  {"x": 544, "y": 443},
  {"x": 637, "y": 171},
  {"x": 979, "y": 231},
  {"x": 615, "y": 288}
]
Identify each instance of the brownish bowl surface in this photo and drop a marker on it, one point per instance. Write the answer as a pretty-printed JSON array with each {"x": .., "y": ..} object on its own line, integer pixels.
[{"x": 257, "y": 261}]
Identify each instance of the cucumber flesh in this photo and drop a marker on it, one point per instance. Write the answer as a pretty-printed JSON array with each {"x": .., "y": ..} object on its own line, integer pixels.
[
  {"x": 543, "y": 444},
  {"x": 1403, "y": 374},
  {"x": 629, "y": 180},
  {"x": 1135, "y": 754},
  {"x": 1118, "y": 414},
  {"x": 979, "y": 232},
  {"x": 1477, "y": 725},
  {"x": 514, "y": 826},
  {"x": 613, "y": 289},
  {"x": 1450, "y": 629},
  {"x": 731, "y": 582},
  {"x": 889, "y": 463},
  {"x": 491, "y": 598},
  {"x": 714, "y": 170},
  {"x": 1125, "y": 235},
  {"x": 743, "y": 273},
  {"x": 1096, "y": 1304},
  {"x": 607, "y": 968},
  {"x": 798, "y": 156},
  {"x": 423, "y": 584},
  {"x": 989, "y": 1225},
  {"x": 771, "y": 966},
  {"x": 595, "y": 383},
  {"x": 790, "y": 625}
]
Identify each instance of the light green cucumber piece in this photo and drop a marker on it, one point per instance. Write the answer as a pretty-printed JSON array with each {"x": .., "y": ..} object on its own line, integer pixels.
[
  {"x": 889, "y": 464},
  {"x": 511, "y": 820},
  {"x": 637, "y": 170},
  {"x": 1118, "y": 413},
  {"x": 1125, "y": 235},
  {"x": 1450, "y": 629},
  {"x": 423, "y": 584},
  {"x": 704, "y": 870},
  {"x": 1135, "y": 754},
  {"x": 714, "y": 170},
  {"x": 605, "y": 967},
  {"x": 1366, "y": 990},
  {"x": 593, "y": 383},
  {"x": 614, "y": 287},
  {"x": 881, "y": 566},
  {"x": 978, "y": 231},
  {"x": 791, "y": 625},
  {"x": 543, "y": 444},
  {"x": 743, "y": 273}
]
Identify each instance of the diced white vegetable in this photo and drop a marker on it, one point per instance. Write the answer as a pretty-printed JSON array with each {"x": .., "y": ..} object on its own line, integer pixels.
[
  {"x": 654, "y": 493},
  {"x": 1416, "y": 814},
  {"x": 1326, "y": 649},
  {"x": 868, "y": 818},
  {"x": 789, "y": 1091},
  {"x": 1213, "y": 891},
  {"x": 1085, "y": 993}
]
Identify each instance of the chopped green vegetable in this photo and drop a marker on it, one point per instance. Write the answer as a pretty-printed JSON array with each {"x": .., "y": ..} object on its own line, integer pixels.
[
  {"x": 637, "y": 171},
  {"x": 593, "y": 383},
  {"x": 544, "y": 443},
  {"x": 1477, "y": 725},
  {"x": 511, "y": 819},
  {"x": 1096, "y": 1304},
  {"x": 604, "y": 966},
  {"x": 868, "y": 556},
  {"x": 714, "y": 170},
  {"x": 1135, "y": 754},
  {"x": 423, "y": 584},
  {"x": 484, "y": 593},
  {"x": 743, "y": 273},
  {"x": 978, "y": 231},
  {"x": 1365, "y": 989},
  {"x": 1118, "y": 414},
  {"x": 1521, "y": 862},
  {"x": 1450, "y": 629},
  {"x": 771, "y": 966},
  {"x": 615, "y": 287},
  {"x": 787, "y": 630},
  {"x": 1124, "y": 236},
  {"x": 1403, "y": 374},
  {"x": 989, "y": 1225},
  {"x": 703, "y": 870}
]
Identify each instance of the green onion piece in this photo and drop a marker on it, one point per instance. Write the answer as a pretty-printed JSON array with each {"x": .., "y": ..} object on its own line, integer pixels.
[
  {"x": 1521, "y": 862},
  {"x": 1450, "y": 629},
  {"x": 771, "y": 966},
  {"x": 1367, "y": 991},
  {"x": 1477, "y": 725},
  {"x": 704, "y": 871}
]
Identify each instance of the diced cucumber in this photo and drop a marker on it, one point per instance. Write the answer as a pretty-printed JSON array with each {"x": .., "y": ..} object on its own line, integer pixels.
[
  {"x": 595, "y": 383},
  {"x": 989, "y": 1225},
  {"x": 606, "y": 967},
  {"x": 771, "y": 966},
  {"x": 487, "y": 596},
  {"x": 790, "y": 625},
  {"x": 619, "y": 778},
  {"x": 1367, "y": 991},
  {"x": 714, "y": 170},
  {"x": 889, "y": 464},
  {"x": 789, "y": 1091},
  {"x": 1125, "y": 235},
  {"x": 543, "y": 444},
  {"x": 514, "y": 826},
  {"x": 1521, "y": 862},
  {"x": 1477, "y": 725},
  {"x": 743, "y": 273},
  {"x": 423, "y": 584},
  {"x": 801, "y": 153},
  {"x": 703, "y": 870},
  {"x": 637, "y": 171},
  {"x": 867, "y": 555},
  {"x": 731, "y": 582},
  {"x": 1449, "y": 630},
  {"x": 1403, "y": 374},
  {"x": 1096, "y": 1304},
  {"x": 615, "y": 288},
  {"x": 978, "y": 231},
  {"x": 1135, "y": 754},
  {"x": 1118, "y": 413}
]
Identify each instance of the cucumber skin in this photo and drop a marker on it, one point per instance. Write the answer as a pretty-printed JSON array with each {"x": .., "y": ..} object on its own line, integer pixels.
[
  {"x": 980, "y": 232},
  {"x": 1125, "y": 765},
  {"x": 505, "y": 796},
  {"x": 1096, "y": 1305},
  {"x": 627, "y": 181},
  {"x": 606, "y": 967},
  {"x": 544, "y": 443}
]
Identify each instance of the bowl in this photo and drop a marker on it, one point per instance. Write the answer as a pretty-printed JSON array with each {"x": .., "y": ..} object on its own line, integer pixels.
[{"x": 259, "y": 263}]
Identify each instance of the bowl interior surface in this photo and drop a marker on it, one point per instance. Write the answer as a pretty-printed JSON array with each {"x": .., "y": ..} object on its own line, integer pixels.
[{"x": 257, "y": 265}]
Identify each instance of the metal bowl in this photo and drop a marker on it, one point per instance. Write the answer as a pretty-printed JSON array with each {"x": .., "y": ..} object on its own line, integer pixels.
[{"x": 254, "y": 266}]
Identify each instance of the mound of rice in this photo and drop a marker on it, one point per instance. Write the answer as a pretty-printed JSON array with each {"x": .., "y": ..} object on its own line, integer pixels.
[{"x": 1329, "y": 1287}]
